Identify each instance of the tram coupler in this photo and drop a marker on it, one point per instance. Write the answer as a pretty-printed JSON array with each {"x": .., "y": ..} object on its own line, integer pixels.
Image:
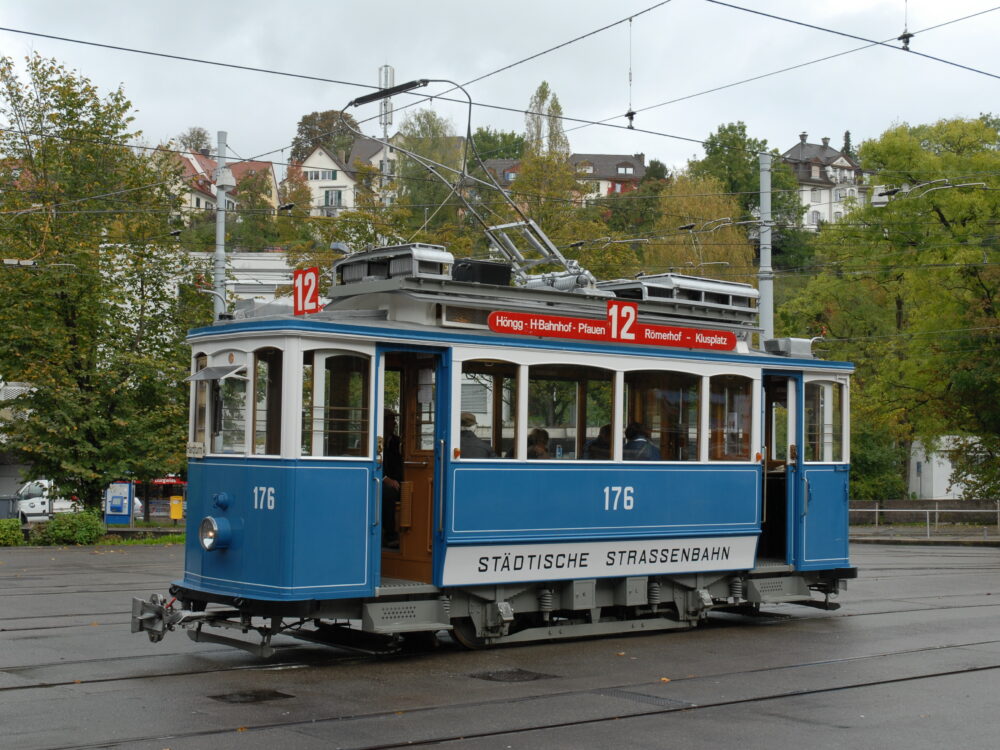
[{"x": 156, "y": 616}]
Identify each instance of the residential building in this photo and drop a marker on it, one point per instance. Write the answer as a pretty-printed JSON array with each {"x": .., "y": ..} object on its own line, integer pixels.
[
  {"x": 198, "y": 190},
  {"x": 331, "y": 183},
  {"x": 602, "y": 174},
  {"x": 830, "y": 182},
  {"x": 609, "y": 174}
]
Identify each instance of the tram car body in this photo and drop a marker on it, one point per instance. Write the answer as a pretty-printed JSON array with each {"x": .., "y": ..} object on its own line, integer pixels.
[{"x": 730, "y": 492}]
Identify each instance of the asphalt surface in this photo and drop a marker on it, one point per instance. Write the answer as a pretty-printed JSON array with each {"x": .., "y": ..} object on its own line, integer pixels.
[{"x": 912, "y": 660}]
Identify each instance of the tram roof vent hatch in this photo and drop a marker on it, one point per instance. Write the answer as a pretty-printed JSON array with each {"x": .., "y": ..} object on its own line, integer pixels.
[
  {"x": 788, "y": 347},
  {"x": 412, "y": 260},
  {"x": 692, "y": 296}
]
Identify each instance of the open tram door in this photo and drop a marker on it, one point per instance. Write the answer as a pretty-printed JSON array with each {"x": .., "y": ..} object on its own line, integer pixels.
[
  {"x": 804, "y": 514},
  {"x": 781, "y": 466},
  {"x": 410, "y": 450}
]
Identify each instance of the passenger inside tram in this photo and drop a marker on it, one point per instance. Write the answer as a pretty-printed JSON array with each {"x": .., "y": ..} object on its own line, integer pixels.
[
  {"x": 538, "y": 444},
  {"x": 637, "y": 444},
  {"x": 473, "y": 446}
]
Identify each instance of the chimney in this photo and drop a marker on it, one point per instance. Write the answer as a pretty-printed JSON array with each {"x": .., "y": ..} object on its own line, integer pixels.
[
  {"x": 826, "y": 143},
  {"x": 802, "y": 137},
  {"x": 204, "y": 152}
]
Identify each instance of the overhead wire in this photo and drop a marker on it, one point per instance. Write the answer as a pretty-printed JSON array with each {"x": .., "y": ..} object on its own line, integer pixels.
[{"x": 855, "y": 36}]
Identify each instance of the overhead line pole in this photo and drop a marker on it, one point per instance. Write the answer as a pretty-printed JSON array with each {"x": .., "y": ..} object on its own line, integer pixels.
[
  {"x": 765, "y": 273},
  {"x": 223, "y": 183}
]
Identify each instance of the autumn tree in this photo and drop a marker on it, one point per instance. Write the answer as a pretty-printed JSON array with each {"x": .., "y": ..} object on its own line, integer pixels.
[
  {"x": 194, "y": 138},
  {"x": 690, "y": 238},
  {"x": 328, "y": 129},
  {"x": 95, "y": 325}
]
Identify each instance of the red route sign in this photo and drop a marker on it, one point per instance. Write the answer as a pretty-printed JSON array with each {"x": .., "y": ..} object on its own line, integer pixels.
[
  {"x": 305, "y": 291},
  {"x": 621, "y": 326}
]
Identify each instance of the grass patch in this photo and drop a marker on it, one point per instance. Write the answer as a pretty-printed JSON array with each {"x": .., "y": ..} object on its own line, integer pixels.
[{"x": 164, "y": 539}]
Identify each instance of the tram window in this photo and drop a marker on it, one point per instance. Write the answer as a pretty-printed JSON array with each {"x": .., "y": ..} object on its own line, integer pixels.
[
  {"x": 666, "y": 404},
  {"x": 824, "y": 422},
  {"x": 336, "y": 409},
  {"x": 424, "y": 426},
  {"x": 229, "y": 406},
  {"x": 267, "y": 402},
  {"x": 200, "y": 424},
  {"x": 489, "y": 393},
  {"x": 730, "y": 417},
  {"x": 567, "y": 407}
]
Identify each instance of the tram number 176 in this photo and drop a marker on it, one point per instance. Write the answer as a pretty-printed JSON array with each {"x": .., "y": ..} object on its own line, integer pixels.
[
  {"x": 619, "y": 498},
  {"x": 263, "y": 498}
]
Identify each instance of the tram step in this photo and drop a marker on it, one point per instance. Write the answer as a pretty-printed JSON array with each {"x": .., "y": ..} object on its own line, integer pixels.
[
  {"x": 404, "y": 616},
  {"x": 777, "y": 590}
]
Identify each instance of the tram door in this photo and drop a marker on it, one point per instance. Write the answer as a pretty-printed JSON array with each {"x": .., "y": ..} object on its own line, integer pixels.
[
  {"x": 781, "y": 464},
  {"x": 409, "y": 459}
]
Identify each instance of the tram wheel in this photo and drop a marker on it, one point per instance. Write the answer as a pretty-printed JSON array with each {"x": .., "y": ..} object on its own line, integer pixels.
[{"x": 464, "y": 633}]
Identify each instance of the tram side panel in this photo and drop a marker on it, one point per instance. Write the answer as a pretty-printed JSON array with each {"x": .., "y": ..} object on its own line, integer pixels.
[
  {"x": 551, "y": 501},
  {"x": 295, "y": 532},
  {"x": 545, "y": 521}
]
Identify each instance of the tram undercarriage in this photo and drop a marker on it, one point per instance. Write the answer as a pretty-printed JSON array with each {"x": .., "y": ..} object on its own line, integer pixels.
[{"x": 406, "y": 612}]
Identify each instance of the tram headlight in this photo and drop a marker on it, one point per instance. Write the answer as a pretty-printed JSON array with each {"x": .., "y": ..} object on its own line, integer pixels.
[{"x": 214, "y": 533}]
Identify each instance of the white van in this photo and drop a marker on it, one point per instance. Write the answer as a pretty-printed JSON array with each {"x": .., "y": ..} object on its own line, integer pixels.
[{"x": 34, "y": 502}]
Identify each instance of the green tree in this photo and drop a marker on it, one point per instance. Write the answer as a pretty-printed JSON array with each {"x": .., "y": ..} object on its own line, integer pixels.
[
  {"x": 848, "y": 148},
  {"x": 327, "y": 129},
  {"x": 909, "y": 291},
  {"x": 498, "y": 144},
  {"x": 432, "y": 201},
  {"x": 95, "y": 327},
  {"x": 254, "y": 226},
  {"x": 656, "y": 171},
  {"x": 731, "y": 157}
]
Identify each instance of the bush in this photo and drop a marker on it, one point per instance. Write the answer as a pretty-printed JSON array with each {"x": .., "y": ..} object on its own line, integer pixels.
[
  {"x": 69, "y": 528},
  {"x": 10, "y": 532}
]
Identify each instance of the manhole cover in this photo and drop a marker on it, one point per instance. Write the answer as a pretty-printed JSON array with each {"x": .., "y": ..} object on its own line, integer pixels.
[
  {"x": 250, "y": 696},
  {"x": 512, "y": 675}
]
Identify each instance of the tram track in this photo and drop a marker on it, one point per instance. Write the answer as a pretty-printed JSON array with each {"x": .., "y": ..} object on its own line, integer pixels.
[
  {"x": 635, "y": 690},
  {"x": 336, "y": 658},
  {"x": 763, "y": 619}
]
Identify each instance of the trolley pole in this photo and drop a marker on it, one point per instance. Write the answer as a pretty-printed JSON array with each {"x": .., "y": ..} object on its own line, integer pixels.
[
  {"x": 765, "y": 273},
  {"x": 223, "y": 183}
]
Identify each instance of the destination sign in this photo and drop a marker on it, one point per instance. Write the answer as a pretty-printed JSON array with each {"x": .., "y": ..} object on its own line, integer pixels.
[{"x": 620, "y": 326}]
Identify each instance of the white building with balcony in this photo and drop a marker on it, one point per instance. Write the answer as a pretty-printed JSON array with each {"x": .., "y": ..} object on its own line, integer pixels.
[{"x": 830, "y": 182}]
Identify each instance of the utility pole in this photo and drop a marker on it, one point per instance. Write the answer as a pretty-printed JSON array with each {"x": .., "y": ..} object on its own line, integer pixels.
[
  {"x": 765, "y": 274},
  {"x": 223, "y": 183}
]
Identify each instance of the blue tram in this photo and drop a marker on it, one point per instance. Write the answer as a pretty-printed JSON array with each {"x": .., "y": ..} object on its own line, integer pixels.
[{"x": 440, "y": 450}]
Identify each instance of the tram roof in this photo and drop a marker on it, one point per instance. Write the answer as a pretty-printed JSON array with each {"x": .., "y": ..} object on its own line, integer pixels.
[{"x": 389, "y": 304}]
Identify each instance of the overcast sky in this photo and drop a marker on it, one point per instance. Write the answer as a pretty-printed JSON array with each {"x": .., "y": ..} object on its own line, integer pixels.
[{"x": 681, "y": 48}]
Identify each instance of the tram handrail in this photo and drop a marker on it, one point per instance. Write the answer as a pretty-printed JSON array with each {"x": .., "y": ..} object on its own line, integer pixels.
[{"x": 936, "y": 510}]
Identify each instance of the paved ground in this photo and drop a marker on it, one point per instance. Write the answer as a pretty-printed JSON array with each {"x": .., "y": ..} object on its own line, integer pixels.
[{"x": 912, "y": 661}]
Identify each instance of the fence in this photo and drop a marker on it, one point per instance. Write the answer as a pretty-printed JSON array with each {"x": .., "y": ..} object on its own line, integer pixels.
[{"x": 936, "y": 511}]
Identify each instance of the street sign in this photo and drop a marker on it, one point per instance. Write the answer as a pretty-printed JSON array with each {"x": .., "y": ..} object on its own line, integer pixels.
[{"x": 305, "y": 291}]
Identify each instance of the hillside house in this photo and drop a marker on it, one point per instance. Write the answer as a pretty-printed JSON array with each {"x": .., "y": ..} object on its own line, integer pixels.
[{"x": 830, "y": 182}]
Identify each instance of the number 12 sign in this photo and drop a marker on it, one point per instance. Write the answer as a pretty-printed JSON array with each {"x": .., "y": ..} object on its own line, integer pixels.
[{"x": 305, "y": 291}]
